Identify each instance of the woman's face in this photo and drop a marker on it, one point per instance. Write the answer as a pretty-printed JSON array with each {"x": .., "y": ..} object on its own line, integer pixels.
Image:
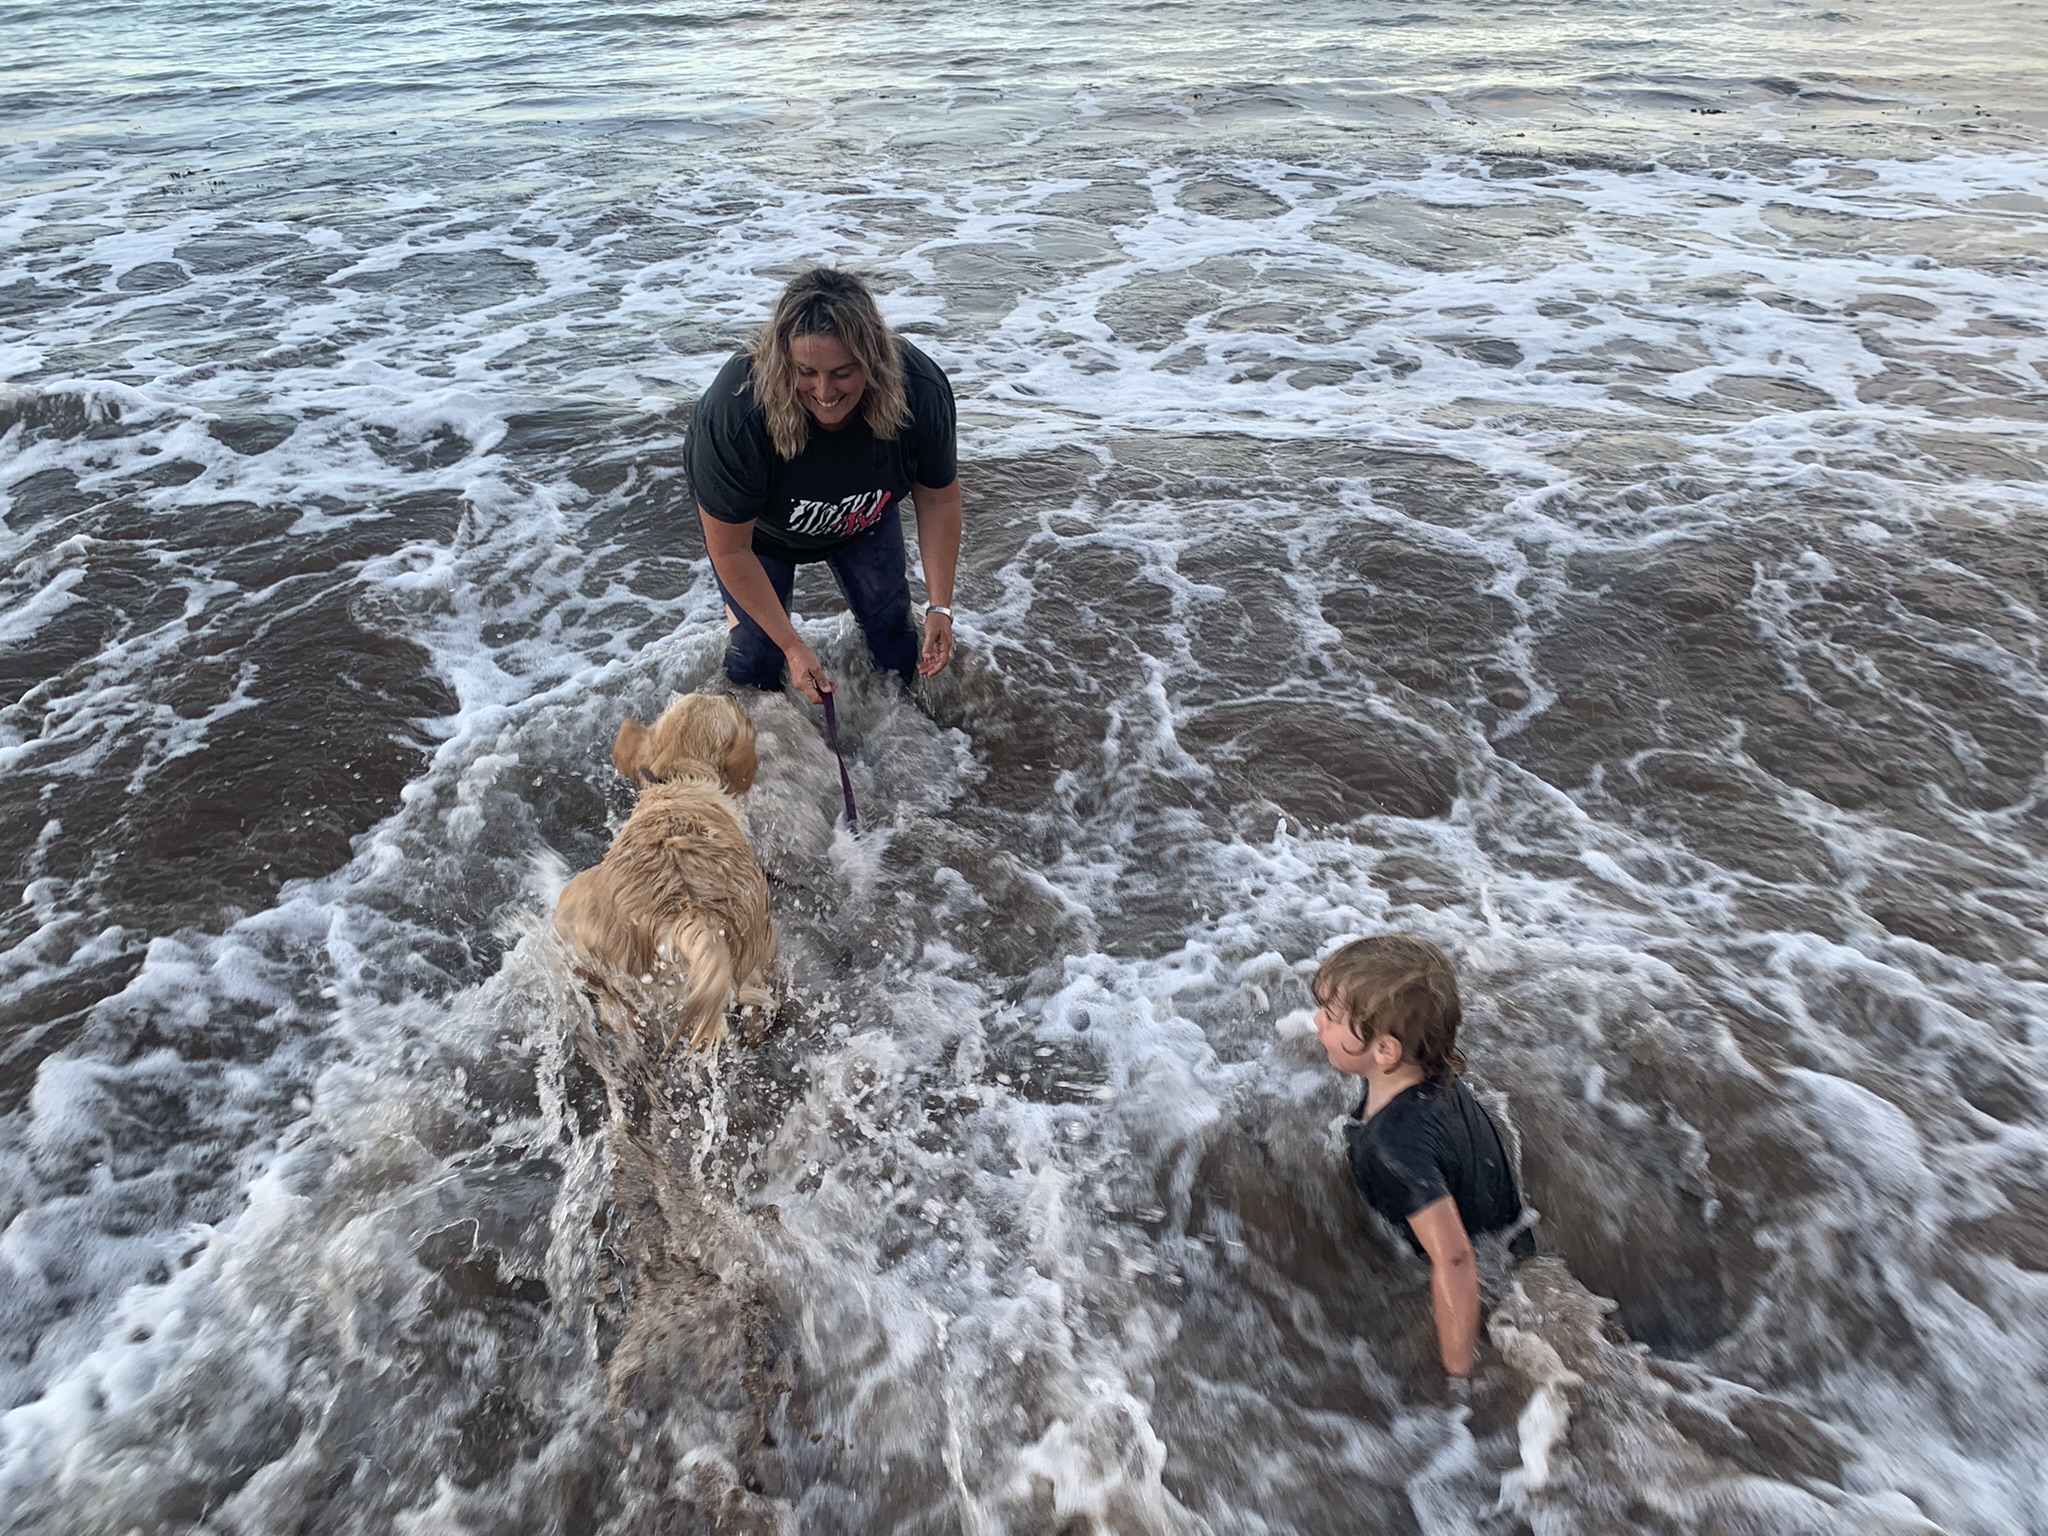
[{"x": 828, "y": 380}]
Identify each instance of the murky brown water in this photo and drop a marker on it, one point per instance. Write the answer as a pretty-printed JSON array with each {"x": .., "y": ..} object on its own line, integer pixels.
[{"x": 1567, "y": 484}]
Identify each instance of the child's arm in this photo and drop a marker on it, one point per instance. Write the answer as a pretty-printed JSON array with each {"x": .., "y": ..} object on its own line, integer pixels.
[{"x": 1453, "y": 1282}]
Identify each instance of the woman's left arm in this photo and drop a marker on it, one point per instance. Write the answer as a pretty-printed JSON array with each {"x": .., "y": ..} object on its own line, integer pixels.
[{"x": 938, "y": 549}]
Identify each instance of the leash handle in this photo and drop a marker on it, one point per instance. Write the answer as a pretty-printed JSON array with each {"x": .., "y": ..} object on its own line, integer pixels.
[{"x": 845, "y": 783}]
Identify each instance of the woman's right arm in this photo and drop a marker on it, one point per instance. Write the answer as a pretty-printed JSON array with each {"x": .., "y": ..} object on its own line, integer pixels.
[{"x": 731, "y": 546}]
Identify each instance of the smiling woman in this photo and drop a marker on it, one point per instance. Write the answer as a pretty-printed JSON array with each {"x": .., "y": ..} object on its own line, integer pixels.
[{"x": 802, "y": 450}]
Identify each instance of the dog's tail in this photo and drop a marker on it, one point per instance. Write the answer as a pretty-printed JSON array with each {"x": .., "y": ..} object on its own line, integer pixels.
[{"x": 700, "y": 943}]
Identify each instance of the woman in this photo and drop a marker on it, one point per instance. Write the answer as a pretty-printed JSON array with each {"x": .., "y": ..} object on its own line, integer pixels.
[{"x": 803, "y": 449}]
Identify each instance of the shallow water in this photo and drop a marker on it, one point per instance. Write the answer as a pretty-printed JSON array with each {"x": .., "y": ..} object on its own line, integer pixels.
[{"x": 1565, "y": 481}]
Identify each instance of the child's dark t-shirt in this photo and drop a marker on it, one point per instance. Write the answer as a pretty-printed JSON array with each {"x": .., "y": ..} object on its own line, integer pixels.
[{"x": 1432, "y": 1140}]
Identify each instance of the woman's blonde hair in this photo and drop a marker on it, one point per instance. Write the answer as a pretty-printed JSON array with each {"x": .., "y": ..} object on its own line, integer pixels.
[
  {"x": 1401, "y": 986},
  {"x": 825, "y": 302}
]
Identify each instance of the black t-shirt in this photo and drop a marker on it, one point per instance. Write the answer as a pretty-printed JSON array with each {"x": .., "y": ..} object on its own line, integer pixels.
[
  {"x": 1429, "y": 1141},
  {"x": 843, "y": 481}
]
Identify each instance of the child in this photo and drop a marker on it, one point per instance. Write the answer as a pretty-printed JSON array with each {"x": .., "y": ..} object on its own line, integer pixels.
[{"x": 1424, "y": 1153}]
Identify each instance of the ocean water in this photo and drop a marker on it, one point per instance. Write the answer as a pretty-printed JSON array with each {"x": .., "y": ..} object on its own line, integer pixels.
[{"x": 1566, "y": 480}]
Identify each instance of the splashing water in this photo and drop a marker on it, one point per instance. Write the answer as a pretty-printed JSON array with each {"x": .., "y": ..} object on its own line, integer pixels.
[{"x": 1563, "y": 483}]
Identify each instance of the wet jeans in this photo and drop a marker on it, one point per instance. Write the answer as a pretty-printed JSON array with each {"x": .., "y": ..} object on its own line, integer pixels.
[{"x": 870, "y": 571}]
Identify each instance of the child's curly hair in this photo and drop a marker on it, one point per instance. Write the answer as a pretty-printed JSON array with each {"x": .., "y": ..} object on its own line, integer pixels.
[{"x": 1397, "y": 985}]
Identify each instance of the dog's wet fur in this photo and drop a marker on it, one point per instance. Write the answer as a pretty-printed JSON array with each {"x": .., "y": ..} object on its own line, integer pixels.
[{"x": 672, "y": 928}]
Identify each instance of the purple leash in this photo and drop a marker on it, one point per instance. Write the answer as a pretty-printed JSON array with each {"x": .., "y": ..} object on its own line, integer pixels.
[{"x": 845, "y": 784}]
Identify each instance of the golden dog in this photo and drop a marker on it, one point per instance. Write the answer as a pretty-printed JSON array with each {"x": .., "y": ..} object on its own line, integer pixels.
[{"x": 680, "y": 887}]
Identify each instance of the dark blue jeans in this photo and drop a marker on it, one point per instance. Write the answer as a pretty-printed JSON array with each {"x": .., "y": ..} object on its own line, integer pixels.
[{"x": 870, "y": 571}]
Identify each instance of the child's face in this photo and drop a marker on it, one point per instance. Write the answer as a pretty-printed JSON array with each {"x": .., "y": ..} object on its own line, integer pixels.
[{"x": 1346, "y": 1053}]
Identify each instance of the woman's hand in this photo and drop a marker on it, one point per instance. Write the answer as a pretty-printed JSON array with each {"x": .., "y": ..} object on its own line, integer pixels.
[
  {"x": 806, "y": 672},
  {"x": 938, "y": 644},
  {"x": 938, "y": 547}
]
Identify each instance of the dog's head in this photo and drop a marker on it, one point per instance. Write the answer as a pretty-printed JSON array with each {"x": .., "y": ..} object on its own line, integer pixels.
[{"x": 701, "y": 731}]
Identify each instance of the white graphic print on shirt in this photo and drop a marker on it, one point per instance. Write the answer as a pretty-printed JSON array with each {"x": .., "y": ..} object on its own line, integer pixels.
[{"x": 847, "y": 516}]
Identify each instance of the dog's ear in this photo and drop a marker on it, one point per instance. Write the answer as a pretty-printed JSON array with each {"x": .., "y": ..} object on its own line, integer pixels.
[
  {"x": 741, "y": 762},
  {"x": 629, "y": 748}
]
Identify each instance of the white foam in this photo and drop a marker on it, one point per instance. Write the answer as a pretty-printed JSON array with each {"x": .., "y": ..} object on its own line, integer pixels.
[{"x": 1010, "y": 1265}]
